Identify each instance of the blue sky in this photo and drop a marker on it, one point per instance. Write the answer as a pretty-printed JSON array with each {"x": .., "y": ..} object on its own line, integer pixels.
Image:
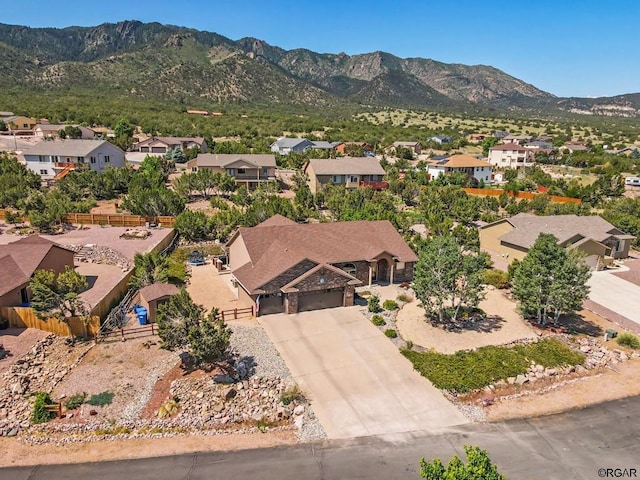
[{"x": 566, "y": 47}]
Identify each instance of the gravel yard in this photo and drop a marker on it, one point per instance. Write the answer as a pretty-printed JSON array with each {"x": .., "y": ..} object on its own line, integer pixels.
[{"x": 257, "y": 351}]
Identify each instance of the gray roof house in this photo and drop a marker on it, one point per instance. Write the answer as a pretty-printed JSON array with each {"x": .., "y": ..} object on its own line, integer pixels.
[
  {"x": 53, "y": 160},
  {"x": 596, "y": 238},
  {"x": 285, "y": 146}
]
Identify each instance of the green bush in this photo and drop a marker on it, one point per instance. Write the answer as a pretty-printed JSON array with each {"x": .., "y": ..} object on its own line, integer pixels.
[
  {"x": 373, "y": 304},
  {"x": 292, "y": 393},
  {"x": 391, "y": 333},
  {"x": 40, "y": 413},
  {"x": 403, "y": 297},
  {"x": 465, "y": 371},
  {"x": 378, "y": 320},
  {"x": 628, "y": 340},
  {"x": 497, "y": 278},
  {"x": 74, "y": 401},
  {"x": 390, "y": 305},
  {"x": 101, "y": 399}
]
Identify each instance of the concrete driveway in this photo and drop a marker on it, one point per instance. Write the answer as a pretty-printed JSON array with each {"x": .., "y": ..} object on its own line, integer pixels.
[
  {"x": 357, "y": 380},
  {"x": 616, "y": 294}
]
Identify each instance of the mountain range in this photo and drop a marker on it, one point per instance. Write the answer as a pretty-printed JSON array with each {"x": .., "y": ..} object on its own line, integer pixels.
[{"x": 171, "y": 63}]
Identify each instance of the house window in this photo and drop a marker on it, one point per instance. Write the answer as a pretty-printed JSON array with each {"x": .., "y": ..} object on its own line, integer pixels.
[
  {"x": 265, "y": 172},
  {"x": 80, "y": 159},
  {"x": 231, "y": 171},
  {"x": 93, "y": 160},
  {"x": 43, "y": 172},
  {"x": 194, "y": 169},
  {"x": 107, "y": 159},
  {"x": 353, "y": 179},
  {"x": 41, "y": 158},
  {"x": 349, "y": 268},
  {"x": 242, "y": 171},
  {"x": 336, "y": 179}
]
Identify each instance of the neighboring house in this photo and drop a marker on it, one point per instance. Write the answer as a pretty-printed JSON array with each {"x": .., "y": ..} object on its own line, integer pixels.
[
  {"x": 349, "y": 172},
  {"x": 162, "y": 145},
  {"x": 198, "y": 112},
  {"x": 247, "y": 169},
  {"x": 322, "y": 145},
  {"x": 47, "y": 130},
  {"x": 596, "y": 238},
  {"x": 440, "y": 139},
  {"x": 19, "y": 124},
  {"x": 415, "y": 147},
  {"x": 154, "y": 295},
  {"x": 467, "y": 164},
  {"x": 478, "y": 137},
  {"x": 500, "y": 134},
  {"x": 52, "y": 160},
  {"x": 285, "y": 146},
  {"x": 21, "y": 259},
  {"x": 510, "y": 155},
  {"x": 282, "y": 266},
  {"x": 574, "y": 147},
  {"x": 544, "y": 138},
  {"x": 517, "y": 139},
  {"x": 341, "y": 147},
  {"x": 104, "y": 132},
  {"x": 539, "y": 145}
]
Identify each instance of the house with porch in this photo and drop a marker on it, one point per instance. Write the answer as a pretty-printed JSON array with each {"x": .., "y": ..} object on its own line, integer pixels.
[
  {"x": 282, "y": 266},
  {"x": 21, "y": 259},
  {"x": 163, "y": 145},
  {"x": 348, "y": 172},
  {"x": 53, "y": 160},
  {"x": 469, "y": 165},
  {"x": 598, "y": 240},
  {"x": 510, "y": 155},
  {"x": 247, "y": 169}
]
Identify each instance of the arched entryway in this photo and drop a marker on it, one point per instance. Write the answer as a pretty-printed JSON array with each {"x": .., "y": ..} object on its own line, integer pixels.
[{"x": 382, "y": 272}]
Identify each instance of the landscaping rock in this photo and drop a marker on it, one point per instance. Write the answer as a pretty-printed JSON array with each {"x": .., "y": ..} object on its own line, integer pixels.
[
  {"x": 224, "y": 379},
  {"x": 521, "y": 380}
]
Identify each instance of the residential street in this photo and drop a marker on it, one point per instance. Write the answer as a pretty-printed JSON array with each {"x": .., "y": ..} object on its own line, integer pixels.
[{"x": 573, "y": 445}]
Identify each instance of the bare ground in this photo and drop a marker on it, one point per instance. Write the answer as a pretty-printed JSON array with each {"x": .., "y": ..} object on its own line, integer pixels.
[
  {"x": 502, "y": 325},
  {"x": 210, "y": 289}
]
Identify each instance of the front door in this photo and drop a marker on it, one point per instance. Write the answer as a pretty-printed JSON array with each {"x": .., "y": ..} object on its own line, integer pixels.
[
  {"x": 382, "y": 274},
  {"x": 24, "y": 296}
]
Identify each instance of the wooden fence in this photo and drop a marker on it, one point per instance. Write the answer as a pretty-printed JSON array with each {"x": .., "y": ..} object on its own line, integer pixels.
[
  {"x": 24, "y": 317},
  {"x": 235, "y": 313},
  {"x": 494, "y": 192},
  {"x": 111, "y": 219},
  {"x": 124, "y": 333}
]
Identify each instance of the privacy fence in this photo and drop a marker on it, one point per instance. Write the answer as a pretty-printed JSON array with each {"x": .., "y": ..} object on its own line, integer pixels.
[{"x": 112, "y": 219}]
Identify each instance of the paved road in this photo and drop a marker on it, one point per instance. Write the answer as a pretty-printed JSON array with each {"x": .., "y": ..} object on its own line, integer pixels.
[
  {"x": 616, "y": 294},
  {"x": 568, "y": 446},
  {"x": 358, "y": 382}
]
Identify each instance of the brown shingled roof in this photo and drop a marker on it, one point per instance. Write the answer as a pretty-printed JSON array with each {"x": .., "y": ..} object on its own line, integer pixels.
[
  {"x": 11, "y": 275},
  {"x": 275, "y": 249},
  {"x": 158, "y": 290}
]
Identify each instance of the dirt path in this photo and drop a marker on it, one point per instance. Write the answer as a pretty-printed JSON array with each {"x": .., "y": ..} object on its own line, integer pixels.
[{"x": 16, "y": 453}]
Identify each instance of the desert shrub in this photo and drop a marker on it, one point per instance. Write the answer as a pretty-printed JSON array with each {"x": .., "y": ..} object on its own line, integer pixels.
[
  {"x": 465, "y": 371},
  {"x": 40, "y": 413},
  {"x": 497, "y": 278},
  {"x": 291, "y": 394},
  {"x": 74, "y": 401},
  {"x": 409, "y": 345},
  {"x": 404, "y": 297},
  {"x": 391, "y": 333},
  {"x": 263, "y": 424},
  {"x": 390, "y": 305},
  {"x": 101, "y": 399},
  {"x": 628, "y": 340},
  {"x": 168, "y": 409},
  {"x": 373, "y": 304},
  {"x": 378, "y": 320}
]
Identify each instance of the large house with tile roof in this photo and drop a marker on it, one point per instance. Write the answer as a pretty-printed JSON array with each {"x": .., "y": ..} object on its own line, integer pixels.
[
  {"x": 468, "y": 165},
  {"x": 283, "y": 266}
]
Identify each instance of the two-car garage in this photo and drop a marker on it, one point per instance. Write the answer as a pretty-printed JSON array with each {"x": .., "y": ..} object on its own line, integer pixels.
[{"x": 315, "y": 300}]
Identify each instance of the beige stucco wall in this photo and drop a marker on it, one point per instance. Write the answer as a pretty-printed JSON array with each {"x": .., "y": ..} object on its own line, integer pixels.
[
  {"x": 238, "y": 253},
  {"x": 12, "y": 298},
  {"x": 490, "y": 235}
]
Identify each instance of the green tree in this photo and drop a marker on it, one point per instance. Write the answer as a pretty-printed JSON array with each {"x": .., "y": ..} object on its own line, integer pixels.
[
  {"x": 478, "y": 467},
  {"x": 183, "y": 325},
  {"x": 57, "y": 295},
  {"x": 446, "y": 279},
  {"x": 192, "y": 226},
  {"x": 550, "y": 280},
  {"x": 487, "y": 143},
  {"x": 149, "y": 268}
]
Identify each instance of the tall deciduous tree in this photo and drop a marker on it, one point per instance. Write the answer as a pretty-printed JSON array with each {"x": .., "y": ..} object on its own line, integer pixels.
[
  {"x": 550, "y": 280},
  {"x": 183, "y": 325},
  {"x": 446, "y": 279}
]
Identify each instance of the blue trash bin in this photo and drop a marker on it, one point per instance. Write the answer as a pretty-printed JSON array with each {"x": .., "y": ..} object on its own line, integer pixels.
[{"x": 141, "y": 312}]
